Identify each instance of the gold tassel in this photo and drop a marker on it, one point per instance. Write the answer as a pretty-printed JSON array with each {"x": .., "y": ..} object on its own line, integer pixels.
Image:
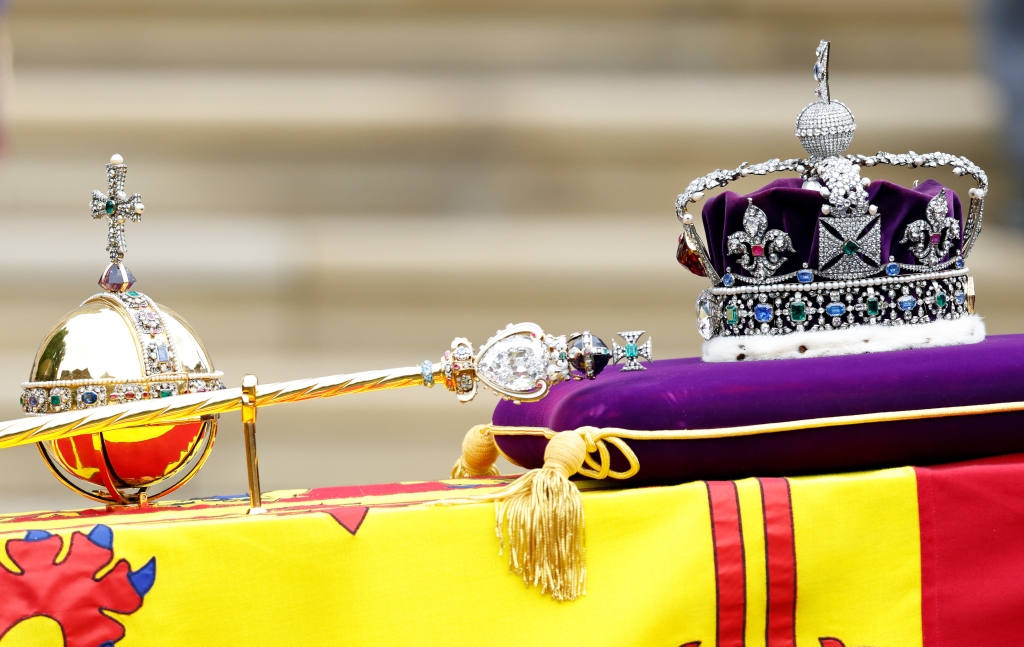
[
  {"x": 542, "y": 513},
  {"x": 479, "y": 453}
]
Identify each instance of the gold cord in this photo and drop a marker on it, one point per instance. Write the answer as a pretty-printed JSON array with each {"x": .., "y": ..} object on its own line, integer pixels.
[
  {"x": 540, "y": 515},
  {"x": 478, "y": 454},
  {"x": 596, "y": 437}
]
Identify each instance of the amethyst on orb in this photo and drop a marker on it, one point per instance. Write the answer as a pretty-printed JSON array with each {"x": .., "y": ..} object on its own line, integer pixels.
[{"x": 117, "y": 278}]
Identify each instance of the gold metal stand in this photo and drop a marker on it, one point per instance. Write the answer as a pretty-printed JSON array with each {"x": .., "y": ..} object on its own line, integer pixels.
[{"x": 248, "y": 400}]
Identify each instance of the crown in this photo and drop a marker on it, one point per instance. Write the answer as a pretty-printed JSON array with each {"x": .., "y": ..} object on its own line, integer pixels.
[
  {"x": 830, "y": 262},
  {"x": 117, "y": 347}
]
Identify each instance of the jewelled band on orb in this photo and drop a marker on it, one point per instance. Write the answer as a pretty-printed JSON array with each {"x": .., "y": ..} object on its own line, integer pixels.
[
  {"x": 66, "y": 395},
  {"x": 520, "y": 363}
]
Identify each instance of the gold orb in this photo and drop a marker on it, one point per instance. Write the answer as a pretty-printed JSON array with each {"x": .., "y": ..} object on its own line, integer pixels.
[{"x": 117, "y": 348}]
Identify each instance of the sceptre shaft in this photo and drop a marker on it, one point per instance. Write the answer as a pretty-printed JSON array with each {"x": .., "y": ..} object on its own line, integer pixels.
[{"x": 520, "y": 363}]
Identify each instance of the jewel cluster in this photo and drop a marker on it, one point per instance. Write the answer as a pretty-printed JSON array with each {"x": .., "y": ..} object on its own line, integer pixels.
[
  {"x": 824, "y": 306},
  {"x": 427, "y": 373},
  {"x": 58, "y": 399},
  {"x": 719, "y": 178},
  {"x": 117, "y": 207},
  {"x": 513, "y": 363},
  {"x": 158, "y": 353},
  {"x": 457, "y": 367},
  {"x": 825, "y": 128},
  {"x": 859, "y": 287}
]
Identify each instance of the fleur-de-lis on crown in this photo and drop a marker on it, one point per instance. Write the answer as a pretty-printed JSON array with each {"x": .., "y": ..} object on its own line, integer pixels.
[
  {"x": 759, "y": 250},
  {"x": 928, "y": 238}
]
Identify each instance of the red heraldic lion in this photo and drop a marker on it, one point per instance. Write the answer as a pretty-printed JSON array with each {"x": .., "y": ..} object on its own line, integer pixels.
[{"x": 69, "y": 591}]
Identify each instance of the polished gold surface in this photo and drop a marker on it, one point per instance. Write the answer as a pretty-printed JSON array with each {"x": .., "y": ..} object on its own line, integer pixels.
[
  {"x": 101, "y": 348},
  {"x": 75, "y": 476},
  {"x": 92, "y": 341},
  {"x": 97, "y": 344},
  {"x": 249, "y": 383},
  {"x": 192, "y": 355}
]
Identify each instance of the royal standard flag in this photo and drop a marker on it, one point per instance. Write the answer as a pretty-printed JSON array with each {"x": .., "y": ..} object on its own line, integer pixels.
[{"x": 927, "y": 557}]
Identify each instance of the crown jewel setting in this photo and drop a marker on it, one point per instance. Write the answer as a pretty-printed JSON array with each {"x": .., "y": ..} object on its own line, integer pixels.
[
  {"x": 119, "y": 208},
  {"x": 851, "y": 268},
  {"x": 163, "y": 373}
]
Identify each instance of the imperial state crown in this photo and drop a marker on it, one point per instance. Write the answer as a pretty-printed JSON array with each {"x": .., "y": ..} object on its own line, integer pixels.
[
  {"x": 121, "y": 346},
  {"x": 819, "y": 272},
  {"x": 829, "y": 262}
]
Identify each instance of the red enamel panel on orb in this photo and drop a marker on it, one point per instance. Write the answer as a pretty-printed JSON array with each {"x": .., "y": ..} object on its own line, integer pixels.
[{"x": 135, "y": 463}]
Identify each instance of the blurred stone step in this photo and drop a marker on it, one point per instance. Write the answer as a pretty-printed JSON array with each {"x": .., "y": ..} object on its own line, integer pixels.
[
  {"x": 627, "y": 36},
  {"x": 335, "y": 142}
]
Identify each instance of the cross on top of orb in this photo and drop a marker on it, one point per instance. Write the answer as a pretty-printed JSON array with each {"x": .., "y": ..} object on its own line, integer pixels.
[{"x": 117, "y": 207}]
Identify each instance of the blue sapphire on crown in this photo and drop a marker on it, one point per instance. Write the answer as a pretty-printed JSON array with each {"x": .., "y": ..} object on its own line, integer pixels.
[{"x": 763, "y": 312}]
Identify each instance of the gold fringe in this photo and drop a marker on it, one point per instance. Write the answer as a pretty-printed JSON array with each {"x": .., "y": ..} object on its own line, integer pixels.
[
  {"x": 541, "y": 513},
  {"x": 546, "y": 533},
  {"x": 541, "y": 518},
  {"x": 479, "y": 453}
]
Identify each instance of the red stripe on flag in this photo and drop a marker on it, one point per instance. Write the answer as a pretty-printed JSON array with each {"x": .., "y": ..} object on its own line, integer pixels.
[
  {"x": 972, "y": 552},
  {"x": 727, "y": 534},
  {"x": 780, "y": 557}
]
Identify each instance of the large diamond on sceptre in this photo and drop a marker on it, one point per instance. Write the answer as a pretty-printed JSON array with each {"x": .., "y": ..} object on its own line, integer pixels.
[{"x": 521, "y": 362}]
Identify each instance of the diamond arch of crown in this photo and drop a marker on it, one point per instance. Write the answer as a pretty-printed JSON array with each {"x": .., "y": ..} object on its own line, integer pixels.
[{"x": 720, "y": 178}]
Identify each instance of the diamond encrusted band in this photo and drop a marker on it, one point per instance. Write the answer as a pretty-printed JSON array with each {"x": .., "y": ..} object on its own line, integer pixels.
[
  {"x": 838, "y": 285},
  {"x": 782, "y": 309},
  {"x": 66, "y": 395}
]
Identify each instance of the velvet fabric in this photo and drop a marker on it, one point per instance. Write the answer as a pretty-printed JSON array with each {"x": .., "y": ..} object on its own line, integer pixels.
[
  {"x": 796, "y": 212},
  {"x": 690, "y": 394}
]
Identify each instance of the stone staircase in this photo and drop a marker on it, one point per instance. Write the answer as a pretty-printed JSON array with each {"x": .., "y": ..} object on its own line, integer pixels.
[{"x": 338, "y": 186}]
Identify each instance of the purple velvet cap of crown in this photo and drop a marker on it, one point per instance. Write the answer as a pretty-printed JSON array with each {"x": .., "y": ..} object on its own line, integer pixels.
[
  {"x": 796, "y": 211},
  {"x": 690, "y": 394}
]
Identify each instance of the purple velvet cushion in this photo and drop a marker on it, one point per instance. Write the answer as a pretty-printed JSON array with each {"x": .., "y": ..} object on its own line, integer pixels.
[
  {"x": 796, "y": 211},
  {"x": 690, "y": 394}
]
